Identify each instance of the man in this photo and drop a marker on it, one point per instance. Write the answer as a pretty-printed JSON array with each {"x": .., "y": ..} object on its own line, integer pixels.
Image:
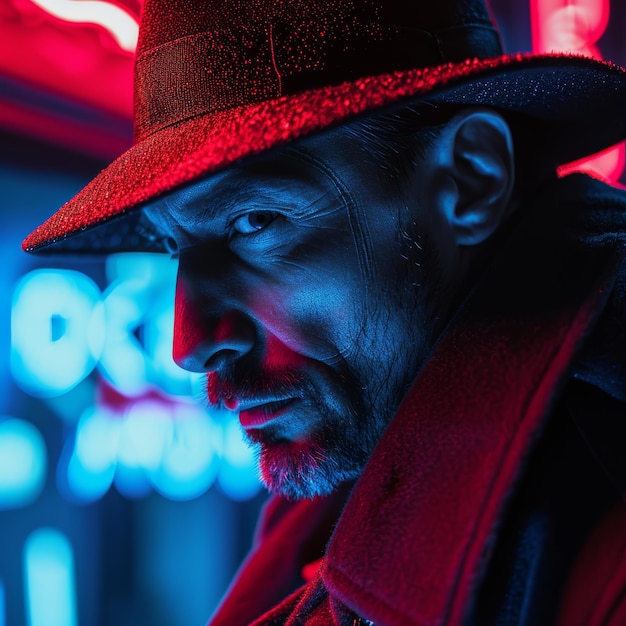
[{"x": 419, "y": 325}]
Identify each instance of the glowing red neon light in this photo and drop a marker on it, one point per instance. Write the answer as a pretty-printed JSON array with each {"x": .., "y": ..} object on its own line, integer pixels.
[
  {"x": 569, "y": 25},
  {"x": 118, "y": 22},
  {"x": 576, "y": 26}
]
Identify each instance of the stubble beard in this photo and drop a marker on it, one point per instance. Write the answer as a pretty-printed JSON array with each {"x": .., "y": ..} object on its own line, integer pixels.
[
  {"x": 347, "y": 432},
  {"x": 333, "y": 452},
  {"x": 338, "y": 450}
]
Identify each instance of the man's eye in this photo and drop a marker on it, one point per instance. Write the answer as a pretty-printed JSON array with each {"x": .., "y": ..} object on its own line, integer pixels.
[{"x": 253, "y": 222}]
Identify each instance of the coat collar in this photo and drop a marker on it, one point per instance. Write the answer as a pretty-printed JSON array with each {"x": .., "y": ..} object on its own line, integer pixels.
[{"x": 414, "y": 539}]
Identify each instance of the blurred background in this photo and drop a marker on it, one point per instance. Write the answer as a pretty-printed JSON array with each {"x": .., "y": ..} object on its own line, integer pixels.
[{"x": 123, "y": 500}]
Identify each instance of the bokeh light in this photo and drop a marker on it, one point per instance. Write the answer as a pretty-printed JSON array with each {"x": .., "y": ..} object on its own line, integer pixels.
[
  {"x": 50, "y": 580},
  {"x": 23, "y": 463}
]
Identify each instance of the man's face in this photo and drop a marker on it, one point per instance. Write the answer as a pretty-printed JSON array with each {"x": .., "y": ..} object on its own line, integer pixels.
[{"x": 301, "y": 294}]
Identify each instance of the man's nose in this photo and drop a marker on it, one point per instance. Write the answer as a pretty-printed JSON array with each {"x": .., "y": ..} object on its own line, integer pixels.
[{"x": 206, "y": 339}]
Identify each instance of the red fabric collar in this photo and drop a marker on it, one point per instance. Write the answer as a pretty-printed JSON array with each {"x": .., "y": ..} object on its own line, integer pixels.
[
  {"x": 412, "y": 543},
  {"x": 415, "y": 536}
]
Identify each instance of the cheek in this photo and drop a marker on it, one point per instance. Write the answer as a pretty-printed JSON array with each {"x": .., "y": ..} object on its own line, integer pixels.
[
  {"x": 313, "y": 295},
  {"x": 315, "y": 315}
]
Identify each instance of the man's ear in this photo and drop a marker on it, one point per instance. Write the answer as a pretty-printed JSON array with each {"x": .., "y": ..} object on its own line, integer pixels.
[{"x": 472, "y": 175}]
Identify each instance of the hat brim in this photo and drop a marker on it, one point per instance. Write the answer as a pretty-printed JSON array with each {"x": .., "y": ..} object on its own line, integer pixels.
[{"x": 583, "y": 101}]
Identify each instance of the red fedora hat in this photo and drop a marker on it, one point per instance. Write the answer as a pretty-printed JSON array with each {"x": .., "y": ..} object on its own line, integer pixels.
[{"x": 219, "y": 80}]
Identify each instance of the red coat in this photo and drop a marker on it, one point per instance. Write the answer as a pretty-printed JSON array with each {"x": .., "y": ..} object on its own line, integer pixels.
[{"x": 439, "y": 528}]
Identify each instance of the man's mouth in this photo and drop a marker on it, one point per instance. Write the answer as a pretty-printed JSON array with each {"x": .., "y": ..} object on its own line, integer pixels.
[{"x": 254, "y": 414}]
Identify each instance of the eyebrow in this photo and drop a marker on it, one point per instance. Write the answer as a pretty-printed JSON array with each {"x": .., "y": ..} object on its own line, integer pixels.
[
  {"x": 222, "y": 193},
  {"x": 192, "y": 197},
  {"x": 226, "y": 198}
]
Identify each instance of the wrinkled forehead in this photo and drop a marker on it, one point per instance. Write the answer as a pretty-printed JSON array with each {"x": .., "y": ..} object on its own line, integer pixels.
[{"x": 300, "y": 176}]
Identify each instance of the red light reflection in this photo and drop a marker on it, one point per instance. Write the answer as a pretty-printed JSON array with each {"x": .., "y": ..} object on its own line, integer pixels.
[
  {"x": 79, "y": 65},
  {"x": 576, "y": 26}
]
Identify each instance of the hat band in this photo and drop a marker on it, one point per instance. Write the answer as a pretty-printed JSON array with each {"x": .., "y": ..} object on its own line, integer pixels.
[{"x": 211, "y": 72}]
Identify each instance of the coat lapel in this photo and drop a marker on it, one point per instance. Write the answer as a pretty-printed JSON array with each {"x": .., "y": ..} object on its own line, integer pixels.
[{"x": 413, "y": 542}]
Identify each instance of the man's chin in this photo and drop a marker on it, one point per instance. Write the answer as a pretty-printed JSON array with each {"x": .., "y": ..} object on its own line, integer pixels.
[{"x": 301, "y": 470}]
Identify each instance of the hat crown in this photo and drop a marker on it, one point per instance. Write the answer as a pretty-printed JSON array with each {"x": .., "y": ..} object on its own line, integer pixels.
[
  {"x": 164, "y": 21},
  {"x": 196, "y": 57}
]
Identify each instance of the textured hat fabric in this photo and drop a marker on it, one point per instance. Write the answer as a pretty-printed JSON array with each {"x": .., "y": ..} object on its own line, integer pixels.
[{"x": 217, "y": 81}]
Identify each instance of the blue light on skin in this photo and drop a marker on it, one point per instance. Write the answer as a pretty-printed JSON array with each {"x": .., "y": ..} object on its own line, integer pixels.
[
  {"x": 261, "y": 306},
  {"x": 49, "y": 579},
  {"x": 56, "y": 331},
  {"x": 306, "y": 295},
  {"x": 23, "y": 463}
]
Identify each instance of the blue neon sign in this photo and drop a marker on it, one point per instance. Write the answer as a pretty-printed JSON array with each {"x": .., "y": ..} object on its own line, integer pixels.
[
  {"x": 23, "y": 463},
  {"x": 64, "y": 328}
]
